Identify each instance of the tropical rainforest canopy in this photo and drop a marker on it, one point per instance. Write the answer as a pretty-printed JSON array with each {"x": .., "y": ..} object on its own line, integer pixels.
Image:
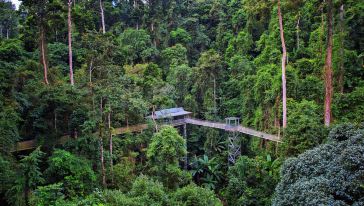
[{"x": 73, "y": 72}]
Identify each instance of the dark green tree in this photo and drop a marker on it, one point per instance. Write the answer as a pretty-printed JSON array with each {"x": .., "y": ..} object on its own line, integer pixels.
[
  {"x": 75, "y": 173},
  {"x": 330, "y": 174},
  {"x": 8, "y": 20},
  {"x": 167, "y": 147},
  {"x": 28, "y": 178},
  {"x": 252, "y": 180}
]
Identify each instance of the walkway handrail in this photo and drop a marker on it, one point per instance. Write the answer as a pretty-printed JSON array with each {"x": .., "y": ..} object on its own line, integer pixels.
[{"x": 230, "y": 128}]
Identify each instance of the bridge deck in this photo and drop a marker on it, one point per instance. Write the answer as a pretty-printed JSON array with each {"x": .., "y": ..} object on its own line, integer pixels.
[
  {"x": 241, "y": 129},
  {"x": 31, "y": 144}
]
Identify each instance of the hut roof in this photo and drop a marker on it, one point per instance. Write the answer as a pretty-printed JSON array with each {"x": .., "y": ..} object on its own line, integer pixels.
[{"x": 167, "y": 113}]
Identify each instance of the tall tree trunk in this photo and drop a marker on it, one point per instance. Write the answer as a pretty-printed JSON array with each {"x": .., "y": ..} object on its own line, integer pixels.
[
  {"x": 43, "y": 54},
  {"x": 102, "y": 159},
  {"x": 322, "y": 31},
  {"x": 135, "y": 6},
  {"x": 7, "y": 33},
  {"x": 55, "y": 121},
  {"x": 154, "y": 35},
  {"x": 284, "y": 59},
  {"x": 153, "y": 118},
  {"x": 102, "y": 17},
  {"x": 70, "y": 41},
  {"x": 298, "y": 31},
  {"x": 102, "y": 146},
  {"x": 277, "y": 115},
  {"x": 90, "y": 85},
  {"x": 90, "y": 69},
  {"x": 214, "y": 96},
  {"x": 328, "y": 66},
  {"x": 110, "y": 146},
  {"x": 342, "y": 69}
]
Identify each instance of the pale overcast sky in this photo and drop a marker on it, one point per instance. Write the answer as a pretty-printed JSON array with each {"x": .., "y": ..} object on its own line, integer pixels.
[{"x": 16, "y": 2}]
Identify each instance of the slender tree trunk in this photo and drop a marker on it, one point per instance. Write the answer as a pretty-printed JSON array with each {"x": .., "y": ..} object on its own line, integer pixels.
[
  {"x": 277, "y": 115},
  {"x": 342, "y": 69},
  {"x": 102, "y": 17},
  {"x": 153, "y": 118},
  {"x": 102, "y": 160},
  {"x": 43, "y": 55},
  {"x": 215, "y": 104},
  {"x": 135, "y": 6},
  {"x": 322, "y": 31},
  {"x": 101, "y": 109},
  {"x": 154, "y": 38},
  {"x": 328, "y": 66},
  {"x": 90, "y": 85},
  {"x": 102, "y": 147},
  {"x": 284, "y": 59},
  {"x": 186, "y": 146},
  {"x": 298, "y": 32},
  {"x": 55, "y": 121},
  {"x": 90, "y": 71},
  {"x": 7, "y": 33},
  {"x": 110, "y": 147},
  {"x": 70, "y": 41}
]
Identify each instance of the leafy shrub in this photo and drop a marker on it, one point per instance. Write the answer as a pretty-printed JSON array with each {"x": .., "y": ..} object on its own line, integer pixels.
[
  {"x": 191, "y": 195},
  {"x": 164, "y": 152},
  {"x": 124, "y": 175},
  {"x": 251, "y": 181},
  {"x": 74, "y": 172},
  {"x": 47, "y": 195},
  {"x": 304, "y": 130},
  {"x": 149, "y": 191},
  {"x": 144, "y": 192},
  {"x": 180, "y": 36}
]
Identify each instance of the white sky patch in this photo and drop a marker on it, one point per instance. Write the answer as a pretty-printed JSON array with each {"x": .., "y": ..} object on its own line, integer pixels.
[{"x": 16, "y": 3}]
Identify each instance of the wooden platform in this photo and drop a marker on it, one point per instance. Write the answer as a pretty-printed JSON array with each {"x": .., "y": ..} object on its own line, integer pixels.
[{"x": 31, "y": 144}]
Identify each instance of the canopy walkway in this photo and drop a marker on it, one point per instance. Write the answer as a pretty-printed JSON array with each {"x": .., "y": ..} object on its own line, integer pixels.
[
  {"x": 227, "y": 127},
  {"x": 31, "y": 144}
]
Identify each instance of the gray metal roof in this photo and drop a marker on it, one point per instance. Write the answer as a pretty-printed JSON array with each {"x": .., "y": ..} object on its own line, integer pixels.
[
  {"x": 232, "y": 118},
  {"x": 166, "y": 113}
]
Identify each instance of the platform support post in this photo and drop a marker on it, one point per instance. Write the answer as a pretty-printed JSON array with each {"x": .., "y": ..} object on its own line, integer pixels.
[
  {"x": 234, "y": 147},
  {"x": 234, "y": 139},
  {"x": 185, "y": 137}
]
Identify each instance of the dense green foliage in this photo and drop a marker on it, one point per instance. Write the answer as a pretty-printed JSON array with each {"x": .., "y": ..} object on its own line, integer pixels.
[
  {"x": 331, "y": 174},
  {"x": 250, "y": 181},
  {"x": 167, "y": 147},
  {"x": 215, "y": 58}
]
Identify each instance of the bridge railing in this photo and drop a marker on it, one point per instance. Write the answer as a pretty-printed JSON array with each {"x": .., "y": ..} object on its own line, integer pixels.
[
  {"x": 219, "y": 125},
  {"x": 232, "y": 128}
]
